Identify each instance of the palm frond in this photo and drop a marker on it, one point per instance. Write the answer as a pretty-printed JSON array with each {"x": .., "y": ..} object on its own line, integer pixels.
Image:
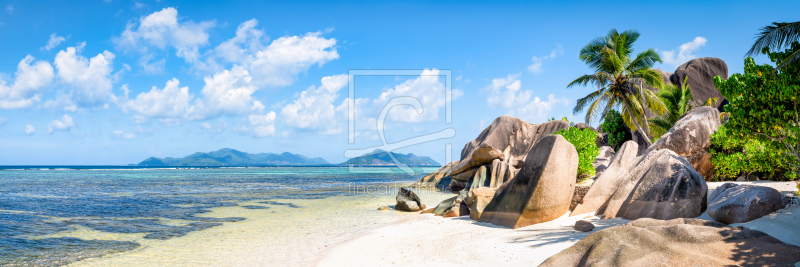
[
  {"x": 582, "y": 102},
  {"x": 775, "y": 36},
  {"x": 794, "y": 57},
  {"x": 644, "y": 60}
]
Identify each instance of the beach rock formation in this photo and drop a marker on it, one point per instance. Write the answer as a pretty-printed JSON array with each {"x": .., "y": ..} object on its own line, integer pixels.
[
  {"x": 479, "y": 180},
  {"x": 381, "y": 208},
  {"x": 661, "y": 185},
  {"x": 434, "y": 178},
  {"x": 609, "y": 180},
  {"x": 690, "y": 138},
  {"x": 732, "y": 203},
  {"x": 583, "y": 226},
  {"x": 577, "y": 197},
  {"x": 541, "y": 191},
  {"x": 477, "y": 199},
  {"x": 501, "y": 172},
  {"x": 584, "y": 126},
  {"x": 701, "y": 72},
  {"x": 677, "y": 242},
  {"x": 602, "y": 160},
  {"x": 408, "y": 201},
  {"x": 507, "y": 139}
]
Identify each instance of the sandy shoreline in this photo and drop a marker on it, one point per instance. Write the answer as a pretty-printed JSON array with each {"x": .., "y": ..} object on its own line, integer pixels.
[{"x": 434, "y": 241}]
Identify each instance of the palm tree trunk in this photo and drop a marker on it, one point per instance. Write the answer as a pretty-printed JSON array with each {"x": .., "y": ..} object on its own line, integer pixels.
[{"x": 638, "y": 128}]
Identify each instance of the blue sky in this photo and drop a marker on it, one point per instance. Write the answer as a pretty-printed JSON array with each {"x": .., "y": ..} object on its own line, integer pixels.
[{"x": 114, "y": 82}]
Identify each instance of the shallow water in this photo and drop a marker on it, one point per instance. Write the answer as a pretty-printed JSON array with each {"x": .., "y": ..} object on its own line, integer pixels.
[{"x": 183, "y": 216}]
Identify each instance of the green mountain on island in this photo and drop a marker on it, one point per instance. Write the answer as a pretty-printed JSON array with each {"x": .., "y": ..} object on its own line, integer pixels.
[
  {"x": 233, "y": 157},
  {"x": 381, "y": 158}
]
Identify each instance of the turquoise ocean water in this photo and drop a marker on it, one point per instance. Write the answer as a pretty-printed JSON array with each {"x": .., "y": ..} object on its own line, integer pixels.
[{"x": 38, "y": 203}]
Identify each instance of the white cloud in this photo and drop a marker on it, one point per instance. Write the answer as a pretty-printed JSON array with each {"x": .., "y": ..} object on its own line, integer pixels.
[
  {"x": 161, "y": 30},
  {"x": 3, "y": 120},
  {"x": 10, "y": 9},
  {"x": 538, "y": 110},
  {"x": 29, "y": 129},
  {"x": 65, "y": 123},
  {"x": 31, "y": 78},
  {"x": 506, "y": 92},
  {"x": 217, "y": 127},
  {"x": 258, "y": 125},
  {"x": 54, "y": 41},
  {"x": 61, "y": 102},
  {"x": 684, "y": 52},
  {"x": 276, "y": 64},
  {"x": 427, "y": 88},
  {"x": 119, "y": 134},
  {"x": 227, "y": 92},
  {"x": 90, "y": 79},
  {"x": 284, "y": 58},
  {"x": 170, "y": 102},
  {"x": 313, "y": 108},
  {"x": 536, "y": 66},
  {"x": 240, "y": 48}
]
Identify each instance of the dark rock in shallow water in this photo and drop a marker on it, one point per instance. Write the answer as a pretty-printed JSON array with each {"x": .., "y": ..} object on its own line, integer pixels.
[
  {"x": 678, "y": 242},
  {"x": 408, "y": 201},
  {"x": 583, "y": 226},
  {"x": 541, "y": 191},
  {"x": 732, "y": 203},
  {"x": 384, "y": 208}
]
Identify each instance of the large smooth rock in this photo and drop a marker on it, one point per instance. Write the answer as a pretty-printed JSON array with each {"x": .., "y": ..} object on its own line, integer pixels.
[
  {"x": 432, "y": 179},
  {"x": 480, "y": 180},
  {"x": 408, "y": 201},
  {"x": 609, "y": 180},
  {"x": 662, "y": 185},
  {"x": 677, "y": 242},
  {"x": 501, "y": 173},
  {"x": 690, "y": 138},
  {"x": 477, "y": 200},
  {"x": 732, "y": 203},
  {"x": 512, "y": 136},
  {"x": 701, "y": 72},
  {"x": 541, "y": 191},
  {"x": 603, "y": 159}
]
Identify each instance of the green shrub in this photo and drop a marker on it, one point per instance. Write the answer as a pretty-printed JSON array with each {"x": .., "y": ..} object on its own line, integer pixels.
[
  {"x": 764, "y": 107},
  {"x": 615, "y": 127},
  {"x": 734, "y": 154},
  {"x": 583, "y": 140}
]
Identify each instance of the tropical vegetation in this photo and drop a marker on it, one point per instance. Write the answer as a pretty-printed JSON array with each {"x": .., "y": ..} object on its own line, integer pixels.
[
  {"x": 764, "y": 109},
  {"x": 584, "y": 142},
  {"x": 620, "y": 80},
  {"x": 678, "y": 101},
  {"x": 775, "y": 37},
  {"x": 614, "y": 126}
]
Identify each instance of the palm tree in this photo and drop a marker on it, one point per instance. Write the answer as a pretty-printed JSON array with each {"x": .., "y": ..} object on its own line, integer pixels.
[
  {"x": 678, "y": 101},
  {"x": 620, "y": 80},
  {"x": 775, "y": 37}
]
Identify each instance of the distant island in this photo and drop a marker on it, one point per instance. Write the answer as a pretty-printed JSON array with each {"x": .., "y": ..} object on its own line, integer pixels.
[
  {"x": 381, "y": 158},
  {"x": 233, "y": 157}
]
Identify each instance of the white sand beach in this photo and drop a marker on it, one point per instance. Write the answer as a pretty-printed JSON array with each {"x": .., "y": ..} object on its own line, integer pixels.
[{"x": 434, "y": 241}]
